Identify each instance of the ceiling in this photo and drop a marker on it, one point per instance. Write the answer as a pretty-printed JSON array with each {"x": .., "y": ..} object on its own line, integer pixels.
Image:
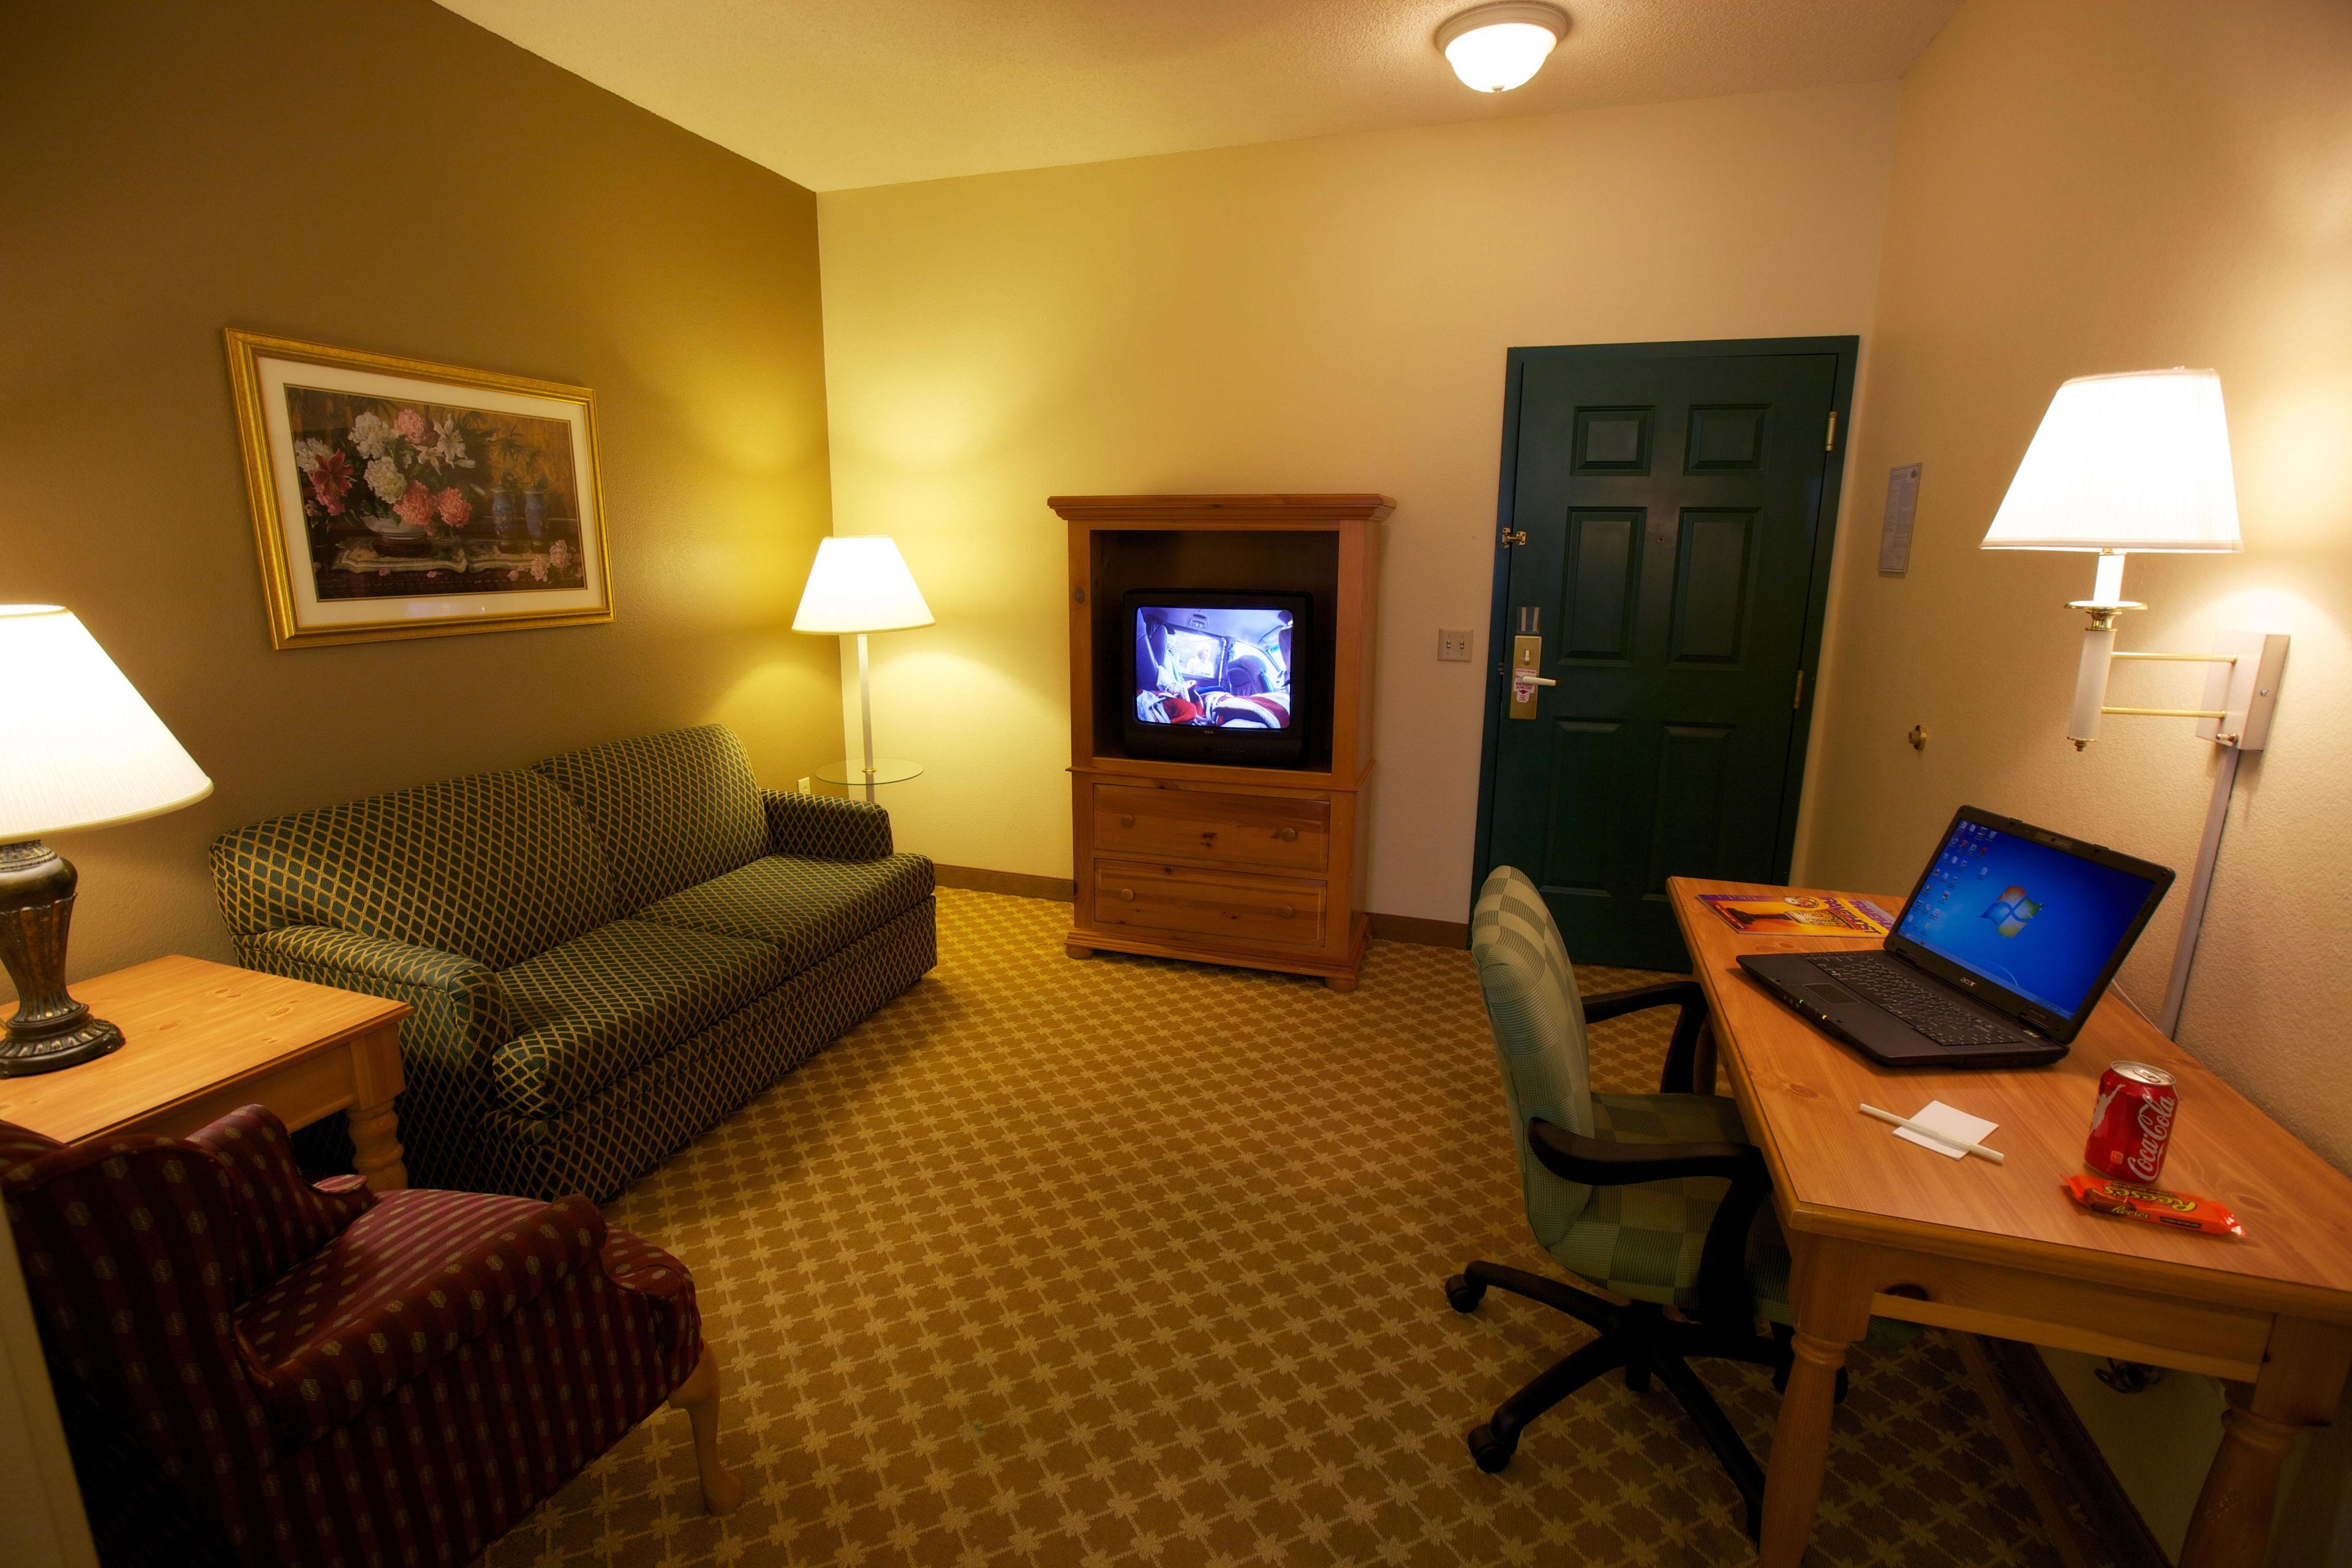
[{"x": 840, "y": 93}]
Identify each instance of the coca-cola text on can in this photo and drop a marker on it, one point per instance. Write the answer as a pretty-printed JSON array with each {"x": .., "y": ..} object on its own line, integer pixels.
[{"x": 2131, "y": 1124}]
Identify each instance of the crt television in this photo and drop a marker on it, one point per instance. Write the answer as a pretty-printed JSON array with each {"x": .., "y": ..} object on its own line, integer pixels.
[{"x": 1216, "y": 676}]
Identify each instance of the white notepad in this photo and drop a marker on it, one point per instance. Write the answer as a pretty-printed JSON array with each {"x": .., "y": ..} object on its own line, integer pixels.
[{"x": 1944, "y": 1119}]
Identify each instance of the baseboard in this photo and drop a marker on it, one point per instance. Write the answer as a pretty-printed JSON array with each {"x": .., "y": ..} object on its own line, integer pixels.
[
  {"x": 1020, "y": 884},
  {"x": 1421, "y": 932},
  {"x": 2089, "y": 1516}
]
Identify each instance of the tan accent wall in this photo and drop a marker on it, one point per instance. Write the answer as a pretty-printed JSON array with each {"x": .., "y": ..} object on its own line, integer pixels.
[
  {"x": 388, "y": 176},
  {"x": 1322, "y": 315},
  {"x": 2084, "y": 186}
]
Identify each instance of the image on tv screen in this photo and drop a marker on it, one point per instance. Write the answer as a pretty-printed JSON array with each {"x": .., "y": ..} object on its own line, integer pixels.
[{"x": 1225, "y": 669}]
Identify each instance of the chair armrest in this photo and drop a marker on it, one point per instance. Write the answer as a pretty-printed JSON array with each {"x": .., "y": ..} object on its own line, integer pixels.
[
  {"x": 1724, "y": 1301},
  {"x": 1680, "y": 1073},
  {"x": 823, "y": 827}
]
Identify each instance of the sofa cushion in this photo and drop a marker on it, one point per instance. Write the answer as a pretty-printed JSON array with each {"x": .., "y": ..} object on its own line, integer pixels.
[
  {"x": 590, "y": 1012},
  {"x": 806, "y": 910},
  {"x": 418, "y": 1275},
  {"x": 668, "y": 810},
  {"x": 496, "y": 867}
]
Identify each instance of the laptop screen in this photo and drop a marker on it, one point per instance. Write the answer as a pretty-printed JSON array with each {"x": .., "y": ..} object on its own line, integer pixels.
[{"x": 2032, "y": 919}]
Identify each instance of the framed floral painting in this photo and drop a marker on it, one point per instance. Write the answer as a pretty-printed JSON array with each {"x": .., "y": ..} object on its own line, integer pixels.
[{"x": 397, "y": 498}]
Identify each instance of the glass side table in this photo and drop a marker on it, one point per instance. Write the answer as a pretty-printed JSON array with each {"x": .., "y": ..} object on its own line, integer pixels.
[{"x": 853, "y": 774}]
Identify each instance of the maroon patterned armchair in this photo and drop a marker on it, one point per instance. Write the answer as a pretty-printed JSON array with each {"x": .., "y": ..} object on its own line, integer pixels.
[{"x": 255, "y": 1370}]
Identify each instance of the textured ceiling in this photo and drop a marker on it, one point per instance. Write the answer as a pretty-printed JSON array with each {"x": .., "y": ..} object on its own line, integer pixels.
[{"x": 840, "y": 93}]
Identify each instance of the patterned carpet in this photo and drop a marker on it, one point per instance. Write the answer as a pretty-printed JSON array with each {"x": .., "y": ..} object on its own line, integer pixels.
[{"x": 1129, "y": 1262}]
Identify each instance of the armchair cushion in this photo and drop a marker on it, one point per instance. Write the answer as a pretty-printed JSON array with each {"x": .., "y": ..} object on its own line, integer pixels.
[
  {"x": 669, "y": 810},
  {"x": 418, "y": 1275},
  {"x": 589, "y": 1013},
  {"x": 281, "y": 1218},
  {"x": 825, "y": 827},
  {"x": 806, "y": 910}
]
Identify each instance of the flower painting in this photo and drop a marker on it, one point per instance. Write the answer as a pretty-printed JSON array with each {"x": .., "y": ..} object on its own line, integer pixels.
[{"x": 397, "y": 498}]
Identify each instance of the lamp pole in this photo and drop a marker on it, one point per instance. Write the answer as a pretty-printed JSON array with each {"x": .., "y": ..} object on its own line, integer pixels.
[{"x": 866, "y": 714}]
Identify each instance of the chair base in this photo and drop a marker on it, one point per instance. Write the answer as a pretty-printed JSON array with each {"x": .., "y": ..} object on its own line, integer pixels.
[{"x": 1638, "y": 1338}]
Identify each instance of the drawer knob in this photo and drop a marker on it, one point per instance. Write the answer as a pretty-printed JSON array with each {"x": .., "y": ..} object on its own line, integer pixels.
[
  {"x": 1127, "y": 895},
  {"x": 1127, "y": 819},
  {"x": 1287, "y": 835},
  {"x": 1286, "y": 911}
]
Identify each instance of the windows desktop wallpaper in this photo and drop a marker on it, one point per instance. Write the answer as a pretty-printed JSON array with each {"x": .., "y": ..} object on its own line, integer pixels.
[{"x": 2036, "y": 919}]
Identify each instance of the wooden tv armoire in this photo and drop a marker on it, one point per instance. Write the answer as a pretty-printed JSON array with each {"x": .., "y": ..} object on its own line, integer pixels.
[{"x": 1225, "y": 863}]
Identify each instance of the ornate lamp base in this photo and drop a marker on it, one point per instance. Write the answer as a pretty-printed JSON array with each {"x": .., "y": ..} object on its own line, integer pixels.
[{"x": 50, "y": 1030}]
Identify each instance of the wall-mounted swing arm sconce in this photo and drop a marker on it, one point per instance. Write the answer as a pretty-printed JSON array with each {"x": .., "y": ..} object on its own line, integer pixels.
[{"x": 2141, "y": 461}]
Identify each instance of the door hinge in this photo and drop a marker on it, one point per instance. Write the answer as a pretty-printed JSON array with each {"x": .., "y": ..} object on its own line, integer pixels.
[
  {"x": 1799, "y": 699},
  {"x": 1829, "y": 442},
  {"x": 1514, "y": 536}
]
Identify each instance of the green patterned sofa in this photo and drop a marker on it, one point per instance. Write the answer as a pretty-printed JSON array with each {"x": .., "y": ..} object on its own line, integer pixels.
[{"x": 607, "y": 952}]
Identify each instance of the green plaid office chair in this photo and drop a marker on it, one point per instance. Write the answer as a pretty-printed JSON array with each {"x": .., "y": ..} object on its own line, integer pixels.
[{"x": 1657, "y": 1198}]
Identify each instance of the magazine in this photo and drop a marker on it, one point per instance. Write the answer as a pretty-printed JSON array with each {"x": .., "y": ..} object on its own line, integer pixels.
[{"x": 1800, "y": 914}]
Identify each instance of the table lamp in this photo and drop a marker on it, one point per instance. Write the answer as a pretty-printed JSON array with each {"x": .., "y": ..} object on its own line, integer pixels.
[
  {"x": 83, "y": 750},
  {"x": 861, "y": 585},
  {"x": 2138, "y": 461}
]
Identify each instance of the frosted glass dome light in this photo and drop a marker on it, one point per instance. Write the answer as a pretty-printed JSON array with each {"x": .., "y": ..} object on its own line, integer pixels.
[{"x": 1494, "y": 48}]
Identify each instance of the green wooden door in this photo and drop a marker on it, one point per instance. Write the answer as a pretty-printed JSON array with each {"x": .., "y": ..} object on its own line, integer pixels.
[{"x": 1670, "y": 507}]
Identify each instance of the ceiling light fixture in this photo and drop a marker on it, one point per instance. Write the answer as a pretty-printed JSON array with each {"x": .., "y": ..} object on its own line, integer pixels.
[{"x": 1495, "y": 48}]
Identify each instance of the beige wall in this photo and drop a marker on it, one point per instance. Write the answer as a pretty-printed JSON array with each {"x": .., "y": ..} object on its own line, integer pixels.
[
  {"x": 389, "y": 177},
  {"x": 1323, "y": 315},
  {"x": 2097, "y": 186}
]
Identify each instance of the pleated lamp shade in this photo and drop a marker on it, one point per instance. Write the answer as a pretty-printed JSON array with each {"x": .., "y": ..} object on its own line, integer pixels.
[
  {"x": 2139, "y": 461},
  {"x": 83, "y": 749}
]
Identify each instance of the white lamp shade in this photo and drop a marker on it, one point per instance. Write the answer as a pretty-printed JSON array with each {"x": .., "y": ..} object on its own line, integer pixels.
[
  {"x": 1494, "y": 48},
  {"x": 860, "y": 584},
  {"x": 2125, "y": 462},
  {"x": 83, "y": 748}
]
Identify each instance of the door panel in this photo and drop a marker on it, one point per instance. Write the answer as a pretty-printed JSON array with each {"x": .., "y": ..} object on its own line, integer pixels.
[{"x": 1671, "y": 504}]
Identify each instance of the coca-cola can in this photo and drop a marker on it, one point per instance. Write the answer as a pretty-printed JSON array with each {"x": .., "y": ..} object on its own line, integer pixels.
[{"x": 2131, "y": 1125}]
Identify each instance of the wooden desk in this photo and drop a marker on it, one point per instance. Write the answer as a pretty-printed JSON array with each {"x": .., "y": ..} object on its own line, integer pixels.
[
  {"x": 201, "y": 1039},
  {"x": 2001, "y": 1250}
]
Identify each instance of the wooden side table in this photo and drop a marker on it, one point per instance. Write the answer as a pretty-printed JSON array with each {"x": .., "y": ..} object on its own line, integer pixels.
[{"x": 201, "y": 1039}]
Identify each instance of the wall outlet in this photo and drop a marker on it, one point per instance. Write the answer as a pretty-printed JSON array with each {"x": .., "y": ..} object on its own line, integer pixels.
[
  {"x": 1454, "y": 644},
  {"x": 803, "y": 785}
]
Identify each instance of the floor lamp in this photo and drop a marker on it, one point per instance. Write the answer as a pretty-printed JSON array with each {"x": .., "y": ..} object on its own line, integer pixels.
[
  {"x": 861, "y": 585},
  {"x": 2132, "y": 462}
]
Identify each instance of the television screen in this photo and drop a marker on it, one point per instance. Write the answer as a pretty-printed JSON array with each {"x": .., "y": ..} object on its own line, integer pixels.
[{"x": 1213, "y": 667}]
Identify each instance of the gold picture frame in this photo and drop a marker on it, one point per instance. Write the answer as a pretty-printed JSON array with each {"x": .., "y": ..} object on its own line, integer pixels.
[{"x": 396, "y": 497}]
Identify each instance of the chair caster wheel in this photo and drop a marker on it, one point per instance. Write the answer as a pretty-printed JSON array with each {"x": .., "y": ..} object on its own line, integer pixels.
[
  {"x": 1491, "y": 1453},
  {"x": 1463, "y": 1293}
]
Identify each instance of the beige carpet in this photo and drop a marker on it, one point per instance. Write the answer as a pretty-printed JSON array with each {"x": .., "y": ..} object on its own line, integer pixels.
[{"x": 1127, "y": 1262}]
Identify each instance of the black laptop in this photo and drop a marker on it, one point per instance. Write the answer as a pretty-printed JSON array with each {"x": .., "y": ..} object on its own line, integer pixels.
[{"x": 2001, "y": 952}]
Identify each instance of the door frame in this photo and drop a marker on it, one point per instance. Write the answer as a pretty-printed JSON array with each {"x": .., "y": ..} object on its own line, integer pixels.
[{"x": 1846, "y": 350}]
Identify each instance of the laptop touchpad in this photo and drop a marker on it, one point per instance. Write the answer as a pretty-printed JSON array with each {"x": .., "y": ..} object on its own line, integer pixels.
[{"x": 1830, "y": 996}]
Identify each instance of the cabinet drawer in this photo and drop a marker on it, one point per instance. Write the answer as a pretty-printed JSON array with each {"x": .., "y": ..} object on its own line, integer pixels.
[
  {"x": 1226, "y": 906},
  {"x": 1281, "y": 832}
]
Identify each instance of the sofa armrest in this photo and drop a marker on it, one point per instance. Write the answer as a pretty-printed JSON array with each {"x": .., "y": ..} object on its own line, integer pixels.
[
  {"x": 460, "y": 1006},
  {"x": 825, "y": 827}
]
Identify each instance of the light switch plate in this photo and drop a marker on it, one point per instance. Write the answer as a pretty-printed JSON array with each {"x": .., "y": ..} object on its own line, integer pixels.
[{"x": 1454, "y": 644}]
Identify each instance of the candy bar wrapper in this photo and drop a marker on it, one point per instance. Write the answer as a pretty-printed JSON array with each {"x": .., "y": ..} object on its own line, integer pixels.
[{"x": 2183, "y": 1211}]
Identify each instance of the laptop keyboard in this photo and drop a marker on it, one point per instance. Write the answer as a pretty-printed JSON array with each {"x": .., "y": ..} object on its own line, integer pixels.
[{"x": 1925, "y": 1008}]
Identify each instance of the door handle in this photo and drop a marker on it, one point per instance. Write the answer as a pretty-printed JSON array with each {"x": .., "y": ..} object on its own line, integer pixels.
[{"x": 1527, "y": 657}]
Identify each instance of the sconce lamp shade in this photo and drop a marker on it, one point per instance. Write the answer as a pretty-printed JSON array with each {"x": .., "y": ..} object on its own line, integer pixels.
[
  {"x": 2139, "y": 461},
  {"x": 860, "y": 584},
  {"x": 84, "y": 749}
]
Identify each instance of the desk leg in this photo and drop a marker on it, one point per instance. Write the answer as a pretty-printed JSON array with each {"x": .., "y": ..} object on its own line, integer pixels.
[
  {"x": 2302, "y": 1378},
  {"x": 1832, "y": 1302},
  {"x": 376, "y": 1080}
]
